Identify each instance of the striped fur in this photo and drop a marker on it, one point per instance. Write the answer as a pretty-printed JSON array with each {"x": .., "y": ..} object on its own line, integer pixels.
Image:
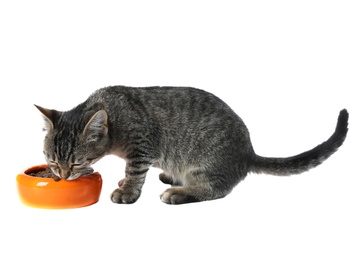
[{"x": 202, "y": 146}]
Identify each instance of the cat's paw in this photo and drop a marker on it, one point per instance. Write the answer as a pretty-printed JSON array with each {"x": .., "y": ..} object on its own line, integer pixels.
[
  {"x": 122, "y": 196},
  {"x": 177, "y": 195}
]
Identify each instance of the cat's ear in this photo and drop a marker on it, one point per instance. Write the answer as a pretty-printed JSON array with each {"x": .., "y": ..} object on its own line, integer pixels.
[
  {"x": 96, "y": 127},
  {"x": 49, "y": 116}
]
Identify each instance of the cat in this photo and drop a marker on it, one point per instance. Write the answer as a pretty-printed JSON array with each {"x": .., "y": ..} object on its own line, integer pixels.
[{"x": 200, "y": 143}]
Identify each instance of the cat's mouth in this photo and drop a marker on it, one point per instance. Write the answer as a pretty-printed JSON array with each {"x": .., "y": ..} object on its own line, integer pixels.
[{"x": 82, "y": 173}]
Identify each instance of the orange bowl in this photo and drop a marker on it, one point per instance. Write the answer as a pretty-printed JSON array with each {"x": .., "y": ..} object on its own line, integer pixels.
[{"x": 47, "y": 193}]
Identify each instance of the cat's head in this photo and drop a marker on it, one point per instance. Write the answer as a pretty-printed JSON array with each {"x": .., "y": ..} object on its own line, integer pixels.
[{"x": 74, "y": 141}]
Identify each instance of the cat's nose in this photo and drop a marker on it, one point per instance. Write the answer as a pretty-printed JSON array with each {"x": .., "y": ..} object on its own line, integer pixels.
[{"x": 65, "y": 175}]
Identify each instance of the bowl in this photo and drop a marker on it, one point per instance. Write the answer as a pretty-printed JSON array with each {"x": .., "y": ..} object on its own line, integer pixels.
[{"x": 47, "y": 193}]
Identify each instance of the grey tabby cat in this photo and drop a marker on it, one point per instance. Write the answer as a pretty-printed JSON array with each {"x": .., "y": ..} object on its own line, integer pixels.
[{"x": 202, "y": 146}]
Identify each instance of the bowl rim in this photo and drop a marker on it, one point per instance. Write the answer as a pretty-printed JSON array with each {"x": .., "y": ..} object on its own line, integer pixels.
[{"x": 65, "y": 183}]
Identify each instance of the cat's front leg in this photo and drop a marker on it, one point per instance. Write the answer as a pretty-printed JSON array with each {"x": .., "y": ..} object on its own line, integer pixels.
[{"x": 130, "y": 187}]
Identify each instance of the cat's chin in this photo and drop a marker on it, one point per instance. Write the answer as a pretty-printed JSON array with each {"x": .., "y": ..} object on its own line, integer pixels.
[{"x": 77, "y": 175}]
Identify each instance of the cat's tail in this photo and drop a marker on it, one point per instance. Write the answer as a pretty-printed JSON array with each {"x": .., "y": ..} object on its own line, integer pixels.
[{"x": 307, "y": 160}]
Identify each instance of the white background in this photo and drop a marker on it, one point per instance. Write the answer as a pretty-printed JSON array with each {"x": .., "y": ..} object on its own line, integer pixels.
[{"x": 286, "y": 67}]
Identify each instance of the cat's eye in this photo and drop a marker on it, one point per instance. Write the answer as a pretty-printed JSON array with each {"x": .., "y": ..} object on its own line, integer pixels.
[
  {"x": 54, "y": 163},
  {"x": 74, "y": 165}
]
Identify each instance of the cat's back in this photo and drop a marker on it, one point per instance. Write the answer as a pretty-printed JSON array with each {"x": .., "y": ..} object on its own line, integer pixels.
[
  {"x": 175, "y": 98},
  {"x": 186, "y": 118},
  {"x": 179, "y": 106},
  {"x": 151, "y": 91}
]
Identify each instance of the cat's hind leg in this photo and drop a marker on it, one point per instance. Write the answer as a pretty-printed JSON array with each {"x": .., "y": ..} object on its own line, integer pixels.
[
  {"x": 165, "y": 178},
  {"x": 189, "y": 194},
  {"x": 168, "y": 179},
  {"x": 195, "y": 186}
]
